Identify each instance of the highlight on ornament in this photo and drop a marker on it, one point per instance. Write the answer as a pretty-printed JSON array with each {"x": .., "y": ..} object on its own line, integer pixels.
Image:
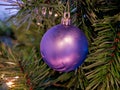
[{"x": 64, "y": 47}]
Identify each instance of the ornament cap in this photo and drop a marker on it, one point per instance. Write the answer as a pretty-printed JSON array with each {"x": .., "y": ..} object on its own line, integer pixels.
[{"x": 66, "y": 19}]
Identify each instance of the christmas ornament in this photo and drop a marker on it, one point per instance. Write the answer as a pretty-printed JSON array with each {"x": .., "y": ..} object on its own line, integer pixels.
[
  {"x": 64, "y": 47},
  {"x": 7, "y": 9}
]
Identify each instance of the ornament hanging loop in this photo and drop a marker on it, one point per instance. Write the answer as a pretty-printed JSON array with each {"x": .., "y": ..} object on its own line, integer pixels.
[
  {"x": 66, "y": 19},
  {"x": 66, "y": 14}
]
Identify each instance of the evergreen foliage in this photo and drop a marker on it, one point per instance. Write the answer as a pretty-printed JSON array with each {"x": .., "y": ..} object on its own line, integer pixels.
[{"x": 99, "y": 20}]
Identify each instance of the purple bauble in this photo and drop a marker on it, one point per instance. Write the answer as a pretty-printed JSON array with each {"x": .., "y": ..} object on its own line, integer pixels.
[{"x": 64, "y": 48}]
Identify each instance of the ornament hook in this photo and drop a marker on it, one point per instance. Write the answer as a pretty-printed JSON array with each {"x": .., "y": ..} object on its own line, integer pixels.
[
  {"x": 66, "y": 19},
  {"x": 67, "y": 15}
]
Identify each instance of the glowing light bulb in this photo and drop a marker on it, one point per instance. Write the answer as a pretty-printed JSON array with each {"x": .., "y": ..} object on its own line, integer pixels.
[
  {"x": 44, "y": 11},
  {"x": 38, "y": 23},
  {"x": 50, "y": 12},
  {"x": 16, "y": 77},
  {"x": 56, "y": 15},
  {"x": 9, "y": 84},
  {"x": 2, "y": 76}
]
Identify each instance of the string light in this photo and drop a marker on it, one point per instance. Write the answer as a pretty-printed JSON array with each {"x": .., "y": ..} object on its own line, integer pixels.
[
  {"x": 10, "y": 81},
  {"x": 38, "y": 23},
  {"x": 2, "y": 76},
  {"x": 44, "y": 10},
  {"x": 50, "y": 12},
  {"x": 16, "y": 77},
  {"x": 10, "y": 84},
  {"x": 56, "y": 15}
]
